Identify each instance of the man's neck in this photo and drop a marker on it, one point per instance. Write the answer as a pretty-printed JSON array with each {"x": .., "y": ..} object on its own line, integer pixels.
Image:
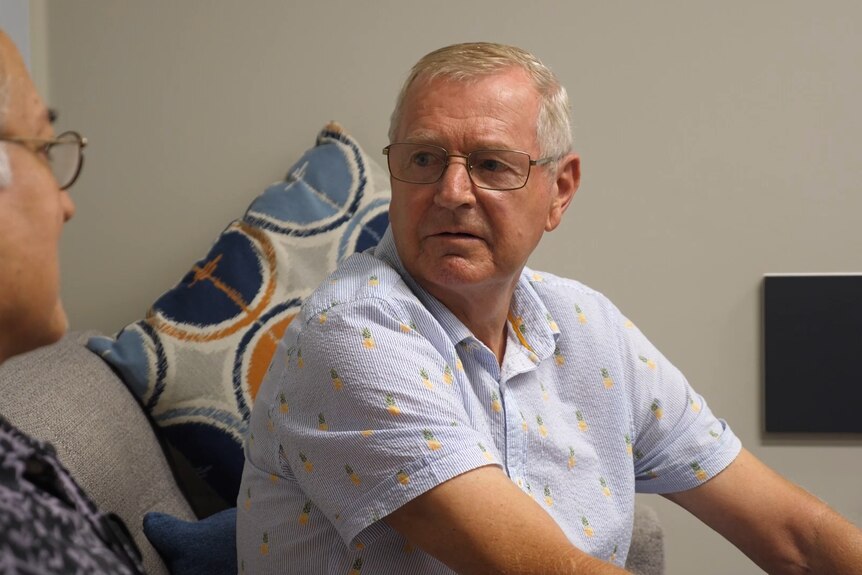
[{"x": 483, "y": 312}]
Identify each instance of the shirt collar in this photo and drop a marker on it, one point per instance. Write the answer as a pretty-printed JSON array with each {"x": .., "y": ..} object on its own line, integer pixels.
[{"x": 530, "y": 317}]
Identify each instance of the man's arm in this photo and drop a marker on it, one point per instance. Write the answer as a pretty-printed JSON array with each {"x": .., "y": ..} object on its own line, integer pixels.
[
  {"x": 480, "y": 522},
  {"x": 780, "y": 526}
]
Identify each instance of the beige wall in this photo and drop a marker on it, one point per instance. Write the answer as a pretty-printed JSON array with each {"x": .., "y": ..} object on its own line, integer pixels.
[{"x": 720, "y": 141}]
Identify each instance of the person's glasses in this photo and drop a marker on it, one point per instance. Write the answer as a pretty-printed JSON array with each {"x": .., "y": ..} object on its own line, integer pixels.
[
  {"x": 488, "y": 169},
  {"x": 64, "y": 154}
]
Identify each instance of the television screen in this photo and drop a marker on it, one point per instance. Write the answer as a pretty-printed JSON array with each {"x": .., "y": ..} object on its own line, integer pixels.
[{"x": 813, "y": 353}]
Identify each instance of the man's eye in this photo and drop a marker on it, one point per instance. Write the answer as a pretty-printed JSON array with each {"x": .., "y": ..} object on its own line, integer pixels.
[
  {"x": 424, "y": 159},
  {"x": 491, "y": 165}
]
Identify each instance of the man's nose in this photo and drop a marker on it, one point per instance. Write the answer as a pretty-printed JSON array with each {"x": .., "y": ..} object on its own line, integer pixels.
[
  {"x": 455, "y": 188},
  {"x": 68, "y": 205}
]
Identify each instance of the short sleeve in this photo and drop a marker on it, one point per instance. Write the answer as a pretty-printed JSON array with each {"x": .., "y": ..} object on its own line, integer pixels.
[
  {"x": 678, "y": 442},
  {"x": 376, "y": 413}
]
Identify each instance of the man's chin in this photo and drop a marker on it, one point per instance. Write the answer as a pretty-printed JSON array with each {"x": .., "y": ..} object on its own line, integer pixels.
[
  {"x": 454, "y": 272},
  {"x": 61, "y": 321},
  {"x": 54, "y": 328}
]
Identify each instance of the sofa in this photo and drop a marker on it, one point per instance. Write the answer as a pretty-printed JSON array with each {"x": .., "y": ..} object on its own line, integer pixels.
[{"x": 152, "y": 419}]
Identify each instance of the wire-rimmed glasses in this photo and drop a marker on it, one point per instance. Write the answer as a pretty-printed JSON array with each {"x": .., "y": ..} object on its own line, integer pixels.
[
  {"x": 502, "y": 170},
  {"x": 65, "y": 154}
]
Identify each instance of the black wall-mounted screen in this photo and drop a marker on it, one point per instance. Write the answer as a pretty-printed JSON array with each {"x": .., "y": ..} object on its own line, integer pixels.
[{"x": 813, "y": 353}]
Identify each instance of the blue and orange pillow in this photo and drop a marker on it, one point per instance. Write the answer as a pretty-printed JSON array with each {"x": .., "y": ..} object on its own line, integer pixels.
[{"x": 196, "y": 360}]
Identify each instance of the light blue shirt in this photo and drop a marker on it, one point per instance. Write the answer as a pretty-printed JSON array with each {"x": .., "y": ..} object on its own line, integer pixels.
[{"x": 377, "y": 393}]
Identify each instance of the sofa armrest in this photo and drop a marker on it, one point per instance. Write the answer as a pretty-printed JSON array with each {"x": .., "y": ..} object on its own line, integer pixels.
[
  {"x": 68, "y": 396},
  {"x": 646, "y": 554}
]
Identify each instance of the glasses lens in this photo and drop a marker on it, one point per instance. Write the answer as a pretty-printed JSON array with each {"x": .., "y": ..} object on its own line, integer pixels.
[
  {"x": 499, "y": 169},
  {"x": 65, "y": 157},
  {"x": 416, "y": 163}
]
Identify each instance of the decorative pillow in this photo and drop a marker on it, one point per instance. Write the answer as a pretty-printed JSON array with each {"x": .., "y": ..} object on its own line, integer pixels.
[
  {"x": 205, "y": 547},
  {"x": 197, "y": 359}
]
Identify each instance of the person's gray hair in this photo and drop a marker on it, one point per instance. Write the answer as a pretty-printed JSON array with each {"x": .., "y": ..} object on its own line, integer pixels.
[{"x": 471, "y": 61}]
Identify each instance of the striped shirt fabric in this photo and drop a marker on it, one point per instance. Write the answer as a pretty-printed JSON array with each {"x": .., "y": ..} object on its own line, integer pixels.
[{"x": 377, "y": 393}]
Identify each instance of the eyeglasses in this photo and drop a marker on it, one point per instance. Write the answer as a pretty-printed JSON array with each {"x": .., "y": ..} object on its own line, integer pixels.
[
  {"x": 501, "y": 170},
  {"x": 65, "y": 155}
]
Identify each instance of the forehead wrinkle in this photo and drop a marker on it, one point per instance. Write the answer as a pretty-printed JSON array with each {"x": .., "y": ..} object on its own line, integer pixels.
[{"x": 490, "y": 135}]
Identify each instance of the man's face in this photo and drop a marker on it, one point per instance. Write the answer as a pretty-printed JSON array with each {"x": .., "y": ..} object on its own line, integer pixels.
[
  {"x": 32, "y": 213},
  {"x": 453, "y": 237}
]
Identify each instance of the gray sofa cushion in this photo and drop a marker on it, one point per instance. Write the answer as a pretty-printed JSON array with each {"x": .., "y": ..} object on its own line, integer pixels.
[
  {"x": 66, "y": 395},
  {"x": 646, "y": 554}
]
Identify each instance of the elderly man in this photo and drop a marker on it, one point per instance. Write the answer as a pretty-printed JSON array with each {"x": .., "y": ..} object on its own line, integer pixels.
[
  {"x": 47, "y": 524},
  {"x": 440, "y": 407}
]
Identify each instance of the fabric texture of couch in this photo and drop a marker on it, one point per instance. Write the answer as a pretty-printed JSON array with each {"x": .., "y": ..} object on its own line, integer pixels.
[{"x": 66, "y": 395}]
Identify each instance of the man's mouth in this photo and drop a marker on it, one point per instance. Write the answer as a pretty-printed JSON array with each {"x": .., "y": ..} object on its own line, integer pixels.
[{"x": 456, "y": 235}]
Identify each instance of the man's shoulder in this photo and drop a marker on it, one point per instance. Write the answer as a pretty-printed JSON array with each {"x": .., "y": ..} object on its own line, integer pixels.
[
  {"x": 360, "y": 277},
  {"x": 546, "y": 283},
  {"x": 563, "y": 296}
]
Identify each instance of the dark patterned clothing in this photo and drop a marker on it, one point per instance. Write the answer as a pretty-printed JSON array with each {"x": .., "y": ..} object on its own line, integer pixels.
[{"x": 47, "y": 523}]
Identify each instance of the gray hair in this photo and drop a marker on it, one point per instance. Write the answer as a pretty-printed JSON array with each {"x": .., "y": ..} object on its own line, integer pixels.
[{"x": 471, "y": 61}]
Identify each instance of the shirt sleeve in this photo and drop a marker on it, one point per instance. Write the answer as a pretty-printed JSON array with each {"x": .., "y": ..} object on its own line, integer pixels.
[
  {"x": 375, "y": 413},
  {"x": 678, "y": 442}
]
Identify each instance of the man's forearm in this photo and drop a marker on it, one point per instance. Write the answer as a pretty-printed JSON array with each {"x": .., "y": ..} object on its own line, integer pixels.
[
  {"x": 587, "y": 565},
  {"x": 570, "y": 561},
  {"x": 835, "y": 547},
  {"x": 480, "y": 522}
]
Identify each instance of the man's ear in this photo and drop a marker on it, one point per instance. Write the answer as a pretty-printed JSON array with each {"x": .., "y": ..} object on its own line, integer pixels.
[{"x": 565, "y": 186}]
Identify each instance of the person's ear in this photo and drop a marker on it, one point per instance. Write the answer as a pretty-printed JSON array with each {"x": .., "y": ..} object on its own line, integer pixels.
[{"x": 566, "y": 184}]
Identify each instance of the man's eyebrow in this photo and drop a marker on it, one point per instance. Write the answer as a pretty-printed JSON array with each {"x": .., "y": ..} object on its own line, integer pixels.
[
  {"x": 431, "y": 136},
  {"x": 422, "y": 136},
  {"x": 52, "y": 115}
]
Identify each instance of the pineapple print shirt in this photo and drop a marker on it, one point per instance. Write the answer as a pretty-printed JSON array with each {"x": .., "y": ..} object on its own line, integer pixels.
[{"x": 377, "y": 393}]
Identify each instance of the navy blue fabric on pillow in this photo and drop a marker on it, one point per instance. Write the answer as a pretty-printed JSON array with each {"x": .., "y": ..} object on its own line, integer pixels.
[{"x": 205, "y": 547}]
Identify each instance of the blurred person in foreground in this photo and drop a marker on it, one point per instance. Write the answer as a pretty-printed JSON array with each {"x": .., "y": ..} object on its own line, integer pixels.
[{"x": 47, "y": 523}]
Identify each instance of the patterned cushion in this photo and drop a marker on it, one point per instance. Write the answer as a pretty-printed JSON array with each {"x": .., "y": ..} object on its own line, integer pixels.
[{"x": 197, "y": 359}]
